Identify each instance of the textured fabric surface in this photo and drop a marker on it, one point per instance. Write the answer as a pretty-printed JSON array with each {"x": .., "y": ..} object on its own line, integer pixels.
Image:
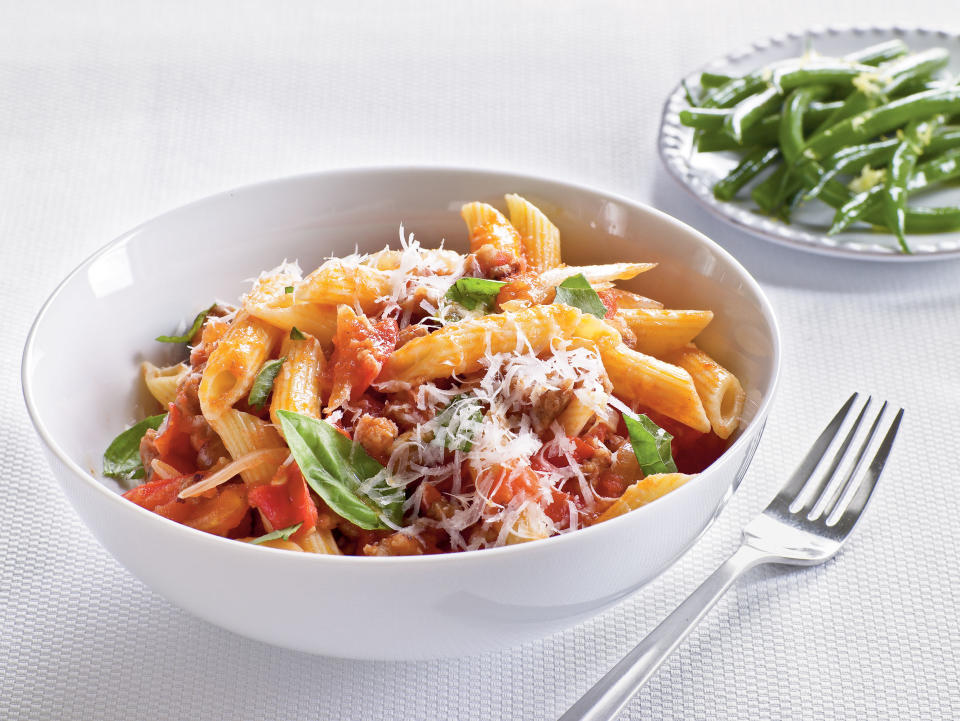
[{"x": 113, "y": 112}]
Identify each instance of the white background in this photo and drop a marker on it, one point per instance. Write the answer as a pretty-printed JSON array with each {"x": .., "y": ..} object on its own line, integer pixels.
[{"x": 111, "y": 113}]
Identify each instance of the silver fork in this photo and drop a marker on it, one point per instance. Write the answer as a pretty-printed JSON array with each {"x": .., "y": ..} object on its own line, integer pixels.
[{"x": 805, "y": 524}]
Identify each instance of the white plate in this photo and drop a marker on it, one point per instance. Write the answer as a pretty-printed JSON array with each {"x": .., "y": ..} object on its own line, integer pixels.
[{"x": 698, "y": 172}]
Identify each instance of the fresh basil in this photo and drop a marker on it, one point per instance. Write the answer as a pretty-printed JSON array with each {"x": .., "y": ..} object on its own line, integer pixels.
[
  {"x": 651, "y": 445},
  {"x": 577, "y": 292},
  {"x": 295, "y": 334},
  {"x": 336, "y": 468},
  {"x": 473, "y": 293},
  {"x": 459, "y": 422},
  {"x": 288, "y": 289},
  {"x": 121, "y": 460},
  {"x": 263, "y": 383},
  {"x": 283, "y": 533},
  {"x": 185, "y": 338}
]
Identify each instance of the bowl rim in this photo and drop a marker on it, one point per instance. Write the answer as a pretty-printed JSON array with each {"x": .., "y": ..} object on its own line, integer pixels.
[{"x": 487, "y": 555}]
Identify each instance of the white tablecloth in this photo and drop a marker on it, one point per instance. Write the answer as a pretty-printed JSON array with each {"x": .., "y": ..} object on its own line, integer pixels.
[{"x": 113, "y": 112}]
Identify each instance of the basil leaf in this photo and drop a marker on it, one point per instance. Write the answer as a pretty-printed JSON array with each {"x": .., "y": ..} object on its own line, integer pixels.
[
  {"x": 651, "y": 445},
  {"x": 472, "y": 293},
  {"x": 459, "y": 422},
  {"x": 185, "y": 338},
  {"x": 121, "y": 460},
  {"x": 295, "y": 334},
  {"x": 288, "y": 289},
  {"x": 577, "y": 292},
  {"x": 336, "y": 468},
  {"x": 283, "y": 533},
  {"x": 263, "y": 383}
]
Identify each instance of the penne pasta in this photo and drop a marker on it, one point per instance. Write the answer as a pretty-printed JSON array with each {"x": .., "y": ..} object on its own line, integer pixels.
[
  {"x": 162, "y": 382},
  {"x": 487, "y": 226},
  {"x": 233, "y": 364},
  {"x": 320, "y": 541},
  {"x": 243, "y": 433},
  {"x": 665, "y": 388},
  {"x": 539, "y": 237},
  {"x": 574, "y": 418},
  {"x": 643, "y": 492},
  {"x": 461, "y": 347},
  {"x": 336, "y": 282},
  {"x": 297, "y": 385},
  {"x": 661, "y": 331},
  {"x": 625, "y": 299},
  {"x": 595, "y": 274},
  {"x": 719, "y": 390}
]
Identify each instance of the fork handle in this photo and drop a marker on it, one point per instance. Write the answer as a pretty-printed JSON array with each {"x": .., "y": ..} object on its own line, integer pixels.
[{"x": 612, "y": 692}]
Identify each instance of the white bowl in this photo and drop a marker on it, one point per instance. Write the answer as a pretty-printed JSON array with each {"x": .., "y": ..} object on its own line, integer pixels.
[{"x": 80, "y": 384}]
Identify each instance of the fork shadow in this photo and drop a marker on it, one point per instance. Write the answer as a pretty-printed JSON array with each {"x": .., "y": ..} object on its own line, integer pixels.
[{"x": 787, "y": 267}]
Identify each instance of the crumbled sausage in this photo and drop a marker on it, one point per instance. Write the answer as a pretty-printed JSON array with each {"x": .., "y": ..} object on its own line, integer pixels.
[
  {"x": 417, "y": 330},
  {"x": 397, "y": 544},
  {"x": 496, "y": 263},
  {"x": 376, "y": 435}
]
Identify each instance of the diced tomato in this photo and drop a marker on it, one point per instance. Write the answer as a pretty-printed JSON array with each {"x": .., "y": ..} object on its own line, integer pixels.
[
  {"x": 173, "y": 441},
  {"x": 610, "y": 484},
  {"x": 504, "y": 483},
  {"x": 428, "y": 496},
  {"x": 609, "y": 300},
  {"x": 360, "y": 349},
  {"x": 286, "y": 501},
  {"x": 558, "y": 510},
  {"x": 544, "y": 459},
  {"x": 218, "y": 514}
]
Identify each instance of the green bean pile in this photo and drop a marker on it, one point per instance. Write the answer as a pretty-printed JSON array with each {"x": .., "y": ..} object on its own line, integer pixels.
[{"x": 859, "y": 133}]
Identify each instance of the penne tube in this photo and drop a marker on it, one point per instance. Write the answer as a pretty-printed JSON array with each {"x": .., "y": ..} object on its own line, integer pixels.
[
  {"x": 317, "y": 541},
  {"x": 574, "y": 418},
  {"x": 656, "y": 384},
  {"x": 719, "y": 390},
  {"x": 532, "y": 524},
  {"x": 163, "y": 382},
  {"x": 336, "y": 282},
  {"x": 243, "y": 433},
  {"x": 661, "y": 331},
  {"x": 462, "y": 347},
  {"x": 487, "y": 226},
  {"x": 626, "y": 299},
  {"x": 234, "y": 363},
  {"x": 297, "y": 385},
  {"x": 269, "y": 301},
  {"x": 595, "y": 274},
  {"x": 539, "y": 237},
  {"x": 643, "y": 492}
]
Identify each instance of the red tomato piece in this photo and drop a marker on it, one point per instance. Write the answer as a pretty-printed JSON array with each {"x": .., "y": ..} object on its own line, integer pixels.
[
  {"x": 218, "y": 514},
  {"x": 286, "y": 501},
  {"x": 609, "y": 300},
  {"x": 507, "y": 482},
  {"x": 360, "y": 349},
  {"x": 173, "y": 441}
]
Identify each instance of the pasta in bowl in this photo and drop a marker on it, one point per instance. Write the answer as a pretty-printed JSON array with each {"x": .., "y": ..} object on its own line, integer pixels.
[
  {"x": 538, "y": 556},
  {"x": 419, "y": 400}
]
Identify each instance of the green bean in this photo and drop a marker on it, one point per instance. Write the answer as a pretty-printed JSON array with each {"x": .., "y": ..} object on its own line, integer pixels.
[
  {"x": 879, "y": 53},
  {"x": 825, "y": 72},
  {"x": 888, "y": 117},
  {"x": 918, "y": 219},
  {"x": 765, "y": 193},
  {"x": 703, "y": 118},
  {"x": 749, "y": 111},
  {"x": 853, "y": 160},
  {"x": 763, "y": 133},
  {"x": 750, "y": 167},
  {"x": 916, "y": 137},
  {"x": 790, "y": 132},
  {"x": 890, "y": 78},
  {"x": 731, "y": 93},
  {"x": 714, "y": 80},
  {"x": 940, "y": 168},
  {"x": 856, "y": 209}
]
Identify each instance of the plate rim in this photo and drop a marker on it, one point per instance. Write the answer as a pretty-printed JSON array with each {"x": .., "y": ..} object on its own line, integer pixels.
[{"x": 677, "y": 163}]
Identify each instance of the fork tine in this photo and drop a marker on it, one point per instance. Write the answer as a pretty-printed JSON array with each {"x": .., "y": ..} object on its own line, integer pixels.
[
  {"x": 865, "y": 490},
  {"x": 824, "y": 481},
  {"x": 830, "y": 498},
  {"x": 788, "y": 494}
]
